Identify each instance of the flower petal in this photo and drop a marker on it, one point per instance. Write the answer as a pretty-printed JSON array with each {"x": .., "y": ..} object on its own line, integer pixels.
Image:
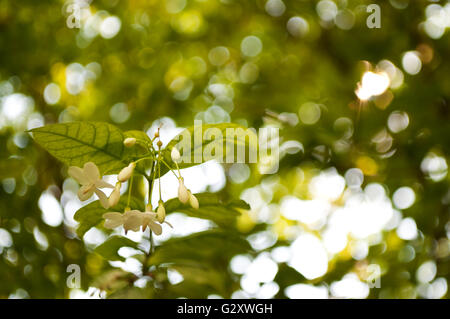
[
  {"x": 78, "y": 174},
  {"x": 155, "y": 227},
  {"x": 112, "y": 220},
  {"x": 102, "y": 197},
  {"x": 132, "y": 220},
  {"x": 114, "y": 197},
  {"x": 102, "y": 184},
  {"x": 91, "y": 171},
  {"x": 85, "y": 192}
]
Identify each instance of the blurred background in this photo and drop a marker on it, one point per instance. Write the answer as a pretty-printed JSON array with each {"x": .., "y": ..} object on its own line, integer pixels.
[{"x": 359, "y": 207}]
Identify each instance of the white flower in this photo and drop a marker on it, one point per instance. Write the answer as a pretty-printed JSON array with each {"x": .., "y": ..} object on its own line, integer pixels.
[
  {"x": 183, "y": 193},
  {"x": 129, "y": 142},
  {"x": 161, "y": 212},
  {"x": 90, "y": 180},
  {"x": 175, "y": 154},
  {"x": 132, "y": 220},
  {"x": 193, "y": 201},
  {"x": 115, "y": 195},
  {"x": 126, "y": 172}
]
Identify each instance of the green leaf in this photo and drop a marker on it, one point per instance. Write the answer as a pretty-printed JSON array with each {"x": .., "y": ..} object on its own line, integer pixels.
[
  {"x": 207, "y": 141},
  {"x": 211, "y": 207},
  {"x": 91, "y": 215},
  {"x": 109, "y": 249},
  {"x": 79, "y": 142},
  {"x": 211, "y": 246}
]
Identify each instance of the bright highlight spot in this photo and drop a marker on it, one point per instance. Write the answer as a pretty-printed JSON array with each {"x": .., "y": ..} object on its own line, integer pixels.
[
  {"x": 110, "y": 27},
  {"x": 309, "y": 256},
  {"x": 52, "y": 93},
  {"x": 411, "y": 62},
  {"x": 372, "y": 84}
]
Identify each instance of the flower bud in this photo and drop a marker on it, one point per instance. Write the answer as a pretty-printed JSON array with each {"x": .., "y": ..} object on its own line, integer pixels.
[
  {"x": 193, "y": 201},
  {"x": 129, "y": 142},
  {"x": 175, "y": 154},
  {"x": 159, "y": 144},
  {"x": 148, "y": 207},
  {"x": 161, "y": 212},
  {"x": 183, "y": 194},
  {"x": 115, "y": 195},
  {"x": 126, "y": 172}
]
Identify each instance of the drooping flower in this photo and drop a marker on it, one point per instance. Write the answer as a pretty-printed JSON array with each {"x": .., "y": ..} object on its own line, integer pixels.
[
  {"x": 129, "y": 142},
  {"x": 90, "y": 180},
  {"x": 193, "y": 201},
  {"x": 115, "y": 195},
  {"x": 161, "y": 212},
  {"x": 126, "y": 172},
  {"x": 132, "y": 220},
  {"x": 183, "y": 193}
]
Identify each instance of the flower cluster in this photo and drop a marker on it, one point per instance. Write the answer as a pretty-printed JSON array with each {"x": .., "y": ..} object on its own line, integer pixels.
[{"x": 131, "y": 219}]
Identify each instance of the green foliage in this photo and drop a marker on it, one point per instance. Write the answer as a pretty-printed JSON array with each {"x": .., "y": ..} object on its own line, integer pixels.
[
  {"x": 175, "y": 61},
  {"x": 77, "y": 143},
  {"x": 103, "y": 144},
  {"x": 109, "y": 249},
  {"x": 212, "y": 246},
  {"x": 208, "y": 142},
  {"x": 211, "y": 207}
]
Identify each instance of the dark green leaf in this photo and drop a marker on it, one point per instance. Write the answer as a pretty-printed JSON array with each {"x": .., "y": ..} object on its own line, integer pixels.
[{"x": 109, "y": 249}]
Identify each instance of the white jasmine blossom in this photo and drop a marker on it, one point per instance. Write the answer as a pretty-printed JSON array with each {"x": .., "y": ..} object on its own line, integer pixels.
[
  {"x": 132, "y": 220},
  {"x": 90, "y": 181}
]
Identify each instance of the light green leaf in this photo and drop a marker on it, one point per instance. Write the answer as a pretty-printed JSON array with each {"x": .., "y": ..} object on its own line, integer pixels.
[
  {"x": 109, "y": 249},
  {"x": 211, "y": 207},
  {"x": 91, "y": 215},
  {"x": 79, "y": 142},
  {"x": 201, "y": 140}
]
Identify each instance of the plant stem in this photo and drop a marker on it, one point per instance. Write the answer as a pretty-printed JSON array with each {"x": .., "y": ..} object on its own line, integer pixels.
[{"x": 129, "y": 191}]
